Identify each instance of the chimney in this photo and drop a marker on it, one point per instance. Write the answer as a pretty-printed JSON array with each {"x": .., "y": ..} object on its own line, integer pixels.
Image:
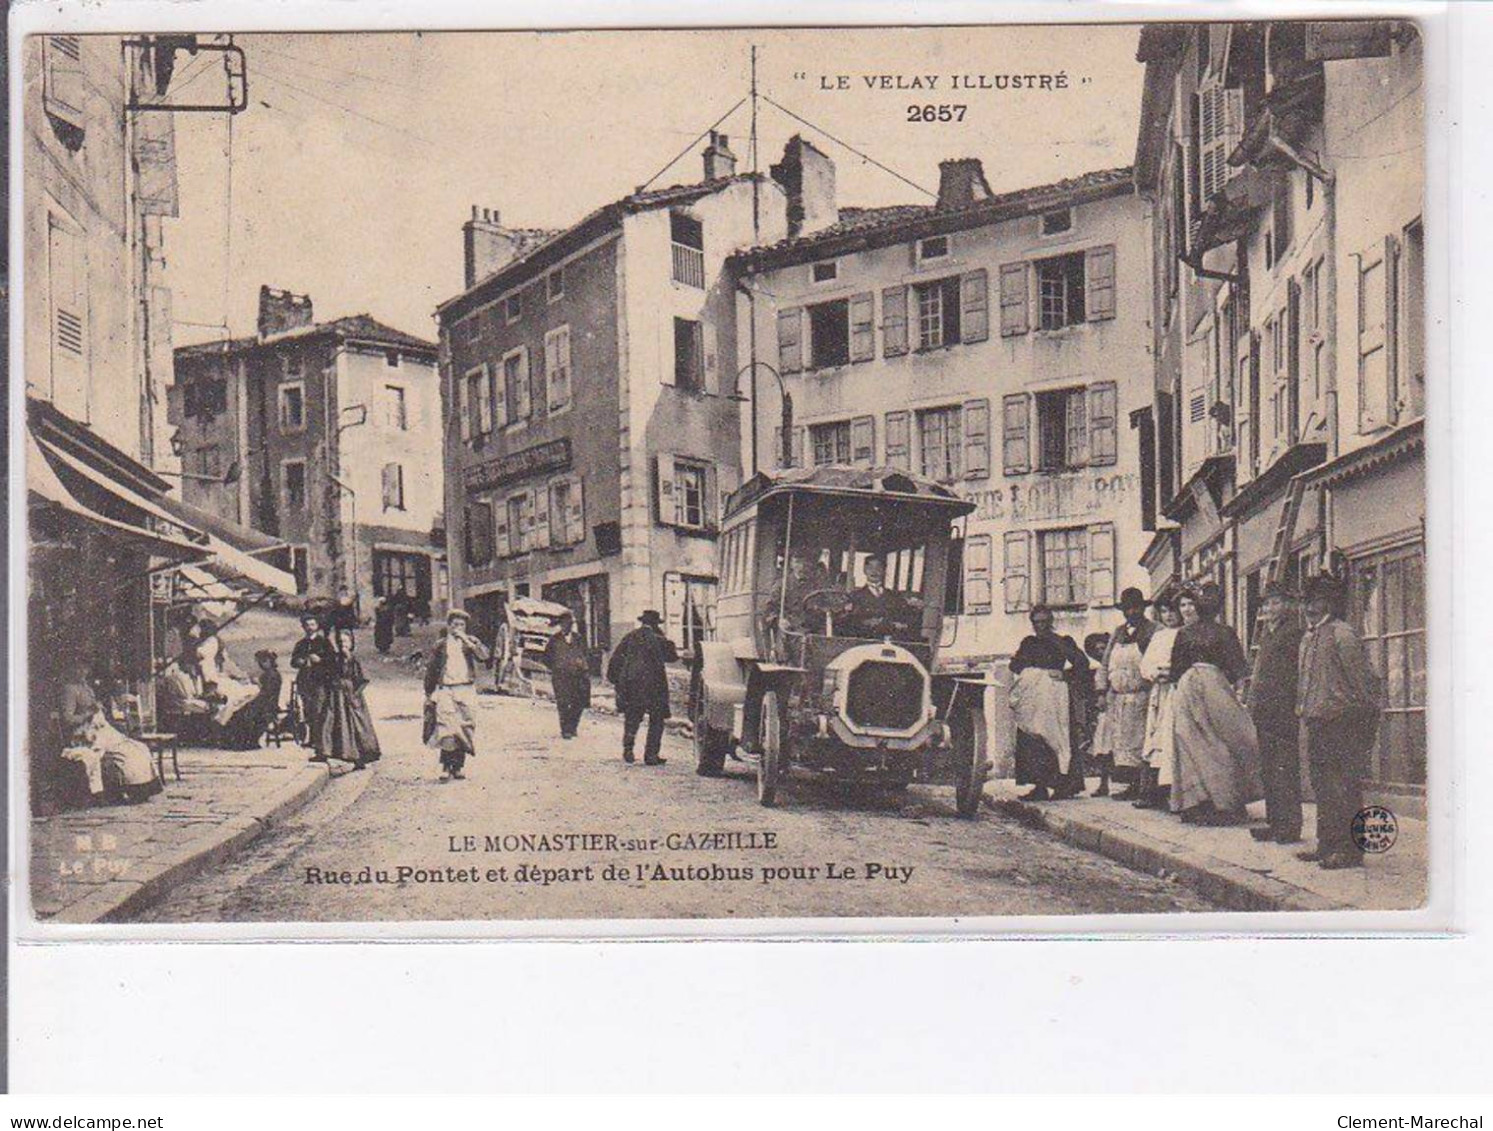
[
  {"x": 487, "y": 246},
  {"x": 808, "y": 178},
  {"x": 719, "y": 160},
  {"x": 281, "y": 310},
  {"x": 961, "y": 182}
]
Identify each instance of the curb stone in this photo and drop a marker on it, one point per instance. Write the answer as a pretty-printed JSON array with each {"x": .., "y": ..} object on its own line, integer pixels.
[
  {"x": 1233, "y": 887},
  {"x": 151, "y": 880}
]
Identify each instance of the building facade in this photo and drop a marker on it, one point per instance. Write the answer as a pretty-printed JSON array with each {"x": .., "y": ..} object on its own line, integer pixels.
[
  {"x": 996, "y": 343},
  {"x": 1289, "y": 327},
  {"x": 321, "y": 434},
  {"x": 591, "y": 426}
]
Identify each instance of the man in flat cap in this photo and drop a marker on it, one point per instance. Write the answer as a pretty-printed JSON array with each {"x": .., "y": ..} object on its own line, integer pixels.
[
  {"x": 638, "y": 671},
  {"x": 450, "y": 695},
  {"x": 1272, "y": 705}
]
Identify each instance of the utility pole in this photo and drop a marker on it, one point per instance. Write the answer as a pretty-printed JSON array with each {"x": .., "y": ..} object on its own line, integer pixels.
[{"x": 756, "y": 242}]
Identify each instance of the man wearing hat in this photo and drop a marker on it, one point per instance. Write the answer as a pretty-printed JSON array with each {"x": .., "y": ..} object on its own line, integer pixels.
[
  {"x": 1338, "y": 699},
  {"x": 637, "y": 670},
  {"x": 1272, "y": 705},
  {"x": 450, "y": 694},
  {"x": 1120, "y": 736}
]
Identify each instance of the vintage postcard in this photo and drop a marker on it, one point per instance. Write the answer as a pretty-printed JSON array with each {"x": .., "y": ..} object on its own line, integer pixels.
[{"x": 752, "y": 475}]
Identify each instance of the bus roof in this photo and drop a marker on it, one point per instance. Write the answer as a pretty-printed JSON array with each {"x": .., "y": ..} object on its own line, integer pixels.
[{"x": 889, "y": 483}]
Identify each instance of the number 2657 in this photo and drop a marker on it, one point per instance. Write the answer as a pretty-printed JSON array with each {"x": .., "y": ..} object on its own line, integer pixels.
[{"x": 941, "y": 113}]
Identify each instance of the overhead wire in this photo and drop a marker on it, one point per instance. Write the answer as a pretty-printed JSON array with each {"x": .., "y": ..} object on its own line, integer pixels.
[
  {"x": 694, "y": 141},
  {"x": 838, "y": 141}
]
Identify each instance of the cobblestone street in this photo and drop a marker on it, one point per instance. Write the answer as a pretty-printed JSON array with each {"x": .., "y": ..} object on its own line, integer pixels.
[{"x": 528, "y": 782}]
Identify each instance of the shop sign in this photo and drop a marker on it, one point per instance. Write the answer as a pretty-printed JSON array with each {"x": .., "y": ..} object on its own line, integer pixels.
[{"x": 554, "y": 455}]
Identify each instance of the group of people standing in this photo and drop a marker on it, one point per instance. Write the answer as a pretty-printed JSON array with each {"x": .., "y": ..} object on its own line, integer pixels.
[
  {"x": 1178, "y": 714},
  {"x": 329, "y": 711}
]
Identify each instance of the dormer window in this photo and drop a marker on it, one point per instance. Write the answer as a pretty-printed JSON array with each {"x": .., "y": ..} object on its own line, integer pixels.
[
  {"x": 934, "y": 247},
  {"x": 1057, "y": 222},
  {"x": 825, "y": 272},
  {"x": 513, "y": 308}
]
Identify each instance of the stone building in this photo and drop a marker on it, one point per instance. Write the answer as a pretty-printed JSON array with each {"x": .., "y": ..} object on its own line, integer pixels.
[{"x": 322, "y": 435}]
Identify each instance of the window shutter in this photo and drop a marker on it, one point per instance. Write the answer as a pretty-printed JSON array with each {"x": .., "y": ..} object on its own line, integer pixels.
[
  {"x": 977, "y": 439},
  {"x": 710, "y": 514},
  {"x": 978, "y": 591},
  {"x": 388, "y": 485},
  {"x": 557, "y": 369},
  {"x": 863, "y": 327},
  {"x": 1099, "y": 276},
  {"x": 863, "y": 441},
  {"x": 1016, "y": 447},
  {"x": 1103, "y": 438},
  {"x": 526, "y": 521},
  {"x": 541, "y": 518},
  {"x": 798, "y": 440},
  {"x": 523, "y": 406},
  {"x": 974, "y": 314},
  {"x": 1391, "y": 328},
  {"x": 1077, "y": 425},
  {"x": 710, "y": 375},
  {"x": 1013, "y": 300},
  {"x": 1016, "y": 579},
  {"x": 1373, "y": 395},
  {"x": 498, "y": 516},
  {"x": 575, "y": 521},
  {"x": 790, "y": 340},
  {"x": 666, "y": 489},
  {"x": 484, "y": 403},
  {"x": 67, "y": 286},
  {"x": 495, "y": 386},
  {"x": 463, "y": 388},
  {"x": 674, "y": 592},
  {"x": 1101, "y": 564},
  {"x": 898, "y": 453},
  {"x": 63, "y": 78},
  {"x": 894, "y": 321}
]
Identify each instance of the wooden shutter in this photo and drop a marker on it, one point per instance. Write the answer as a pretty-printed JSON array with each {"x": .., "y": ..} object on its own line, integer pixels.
[
  {"x": 1016, "y": 578},
  {"x": 666, "y": 489},
  {"x": 67, "y": 285},
  {"x": 1075, "y": 431},
  {"x": 1099, "y": 278},
  {"x": 575, "y": 521},
  {"x": 523, "y": 401},
  {"x": 977, "y": 438},
  {"x": 863, "y": 326},
  {"x": 790, "y": 340},
  {"x": 389, "y": 472},
  {"x": 62, "y": 67},
  {"x": 894, "y": 321},
  {"x": 1103, "y": 427},
  {"x": 797, "y": 448},
  {"x": 1391, "y": 329},
  {"x": 978, "y": 585},
  {"x": 526, "y": 520},
  {"x": 674, "y": 595},
  {"x": 710, "y": 370},
  {"x": 541, "y": 498},
  {"x": 498, "y": 518},
  {"x": 464, "y": 407},
  {"x": 557, "y": 364},
  {"x": 710, "y": 502},
  {"x": 898, "y": 448},
  {"x": 1101, "y": 564},
  {"x": 1013, "y": 300},
  {"x": 1016, "y": 428},
  {"x": 495, "y": 381},
  {"x": 863, "y": 441},
  {"x": 974, "y": 306}
]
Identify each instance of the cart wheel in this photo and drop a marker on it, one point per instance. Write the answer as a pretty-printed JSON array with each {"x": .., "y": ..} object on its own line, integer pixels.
[
  {"x": 711, "y": 745},
  {"x": 771, "y": 762},
  {"x": 970, "y": 765}
]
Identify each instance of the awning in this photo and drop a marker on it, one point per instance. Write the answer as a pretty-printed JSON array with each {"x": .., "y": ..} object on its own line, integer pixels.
[
  {"x": 221, "y": 558},
  {"x": 42, "y": 481},
  {"x": 244, "y": 538}
]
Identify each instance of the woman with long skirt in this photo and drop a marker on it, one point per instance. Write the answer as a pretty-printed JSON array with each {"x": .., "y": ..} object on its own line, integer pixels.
[
  {"x": 1046, "y": 667},
  {"x": 116, "y": 767},
  {"x": 1217, "y": 750},
  {"x": 1156, "y": 667},
  {"x": 347, "y": 732}
]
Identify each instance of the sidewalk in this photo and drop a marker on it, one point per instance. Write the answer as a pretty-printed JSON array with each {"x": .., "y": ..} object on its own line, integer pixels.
[
  {"x": 1227, "y": 865},
  {"x": 94, "y": 865}
]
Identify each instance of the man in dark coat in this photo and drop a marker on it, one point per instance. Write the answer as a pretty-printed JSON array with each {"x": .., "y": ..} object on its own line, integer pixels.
[
  {"x": 637, "y": 671},
  {"x": 314, "y": 661},
  {"x": 570, "y": 674},
  {"x": 1272, "y": 705},
  {"x": 876, "y": 611}
]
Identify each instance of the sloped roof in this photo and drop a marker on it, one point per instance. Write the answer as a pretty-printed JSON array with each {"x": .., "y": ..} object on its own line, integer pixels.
[
  {"x": 860, "y": 228},
  {"x": 354, "y": 327},
  {"x": 546, "y": 252},
  {"x": 840, "y": 479}
]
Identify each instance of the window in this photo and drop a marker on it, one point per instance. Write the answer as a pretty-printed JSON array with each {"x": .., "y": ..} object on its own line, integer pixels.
[
  {"x": 391, "y": 358},
  {"x": 557, "y": 369},
  {"x": 207, "y": 398},
  {"x": 687, "y": 244},
  {"x": 829, "y": 334},
  {"x": 1056, "y": 222},
  {"x": 567, "y": 513},
  {"x": 934, "y": 247},
  {"x": 293, "y": 471},
  {"x": 514, "y": 404},
  {"x": 939, "y": 437},
  {"x": 554, "y": 284},
  {"x": 831, "y": 443},
  {"x": 291, "y": 364},
  {"x": 292, "y": 407},
  {"x": 476, "y": 404},
  {"x": 520, "y": 524},
  {"x": 688, "y": 603},
  {"x": 825, "y": 272},
  {"x": 1389, "y": 607},
  {"x": 1060, "y": 291},
  {"x": 62, "y": 67},
  {"x": 1220, "y": 127},
  {"x": 689, "y": 495},
  {"x": 1063, "y": 562},
  {"x": 479, "y": 529},
  {"x": 395, "y": 413},
  {"x": 393, "y": 485},
  {"x": 689, "y": 355},
  {"x": 397, "y": 574},
  {"x": 208, "y": 460},
  {"x": 513, "y": 307},
  {"x": 938, "y": 313},
  {"x": 300, "y": 565},
  {"x": 1062, "y": 430}
]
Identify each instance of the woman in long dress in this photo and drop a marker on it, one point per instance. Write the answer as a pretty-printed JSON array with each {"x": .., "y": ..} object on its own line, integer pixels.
[
  {"x": 1045, "y": 667},
  {"x": 1161, "y": 751},
  {"x": 346, "y": 730},
  {"x": 1121, "y": 739},
  {"x": 118, "y": 768},
  {"x": 1217, "y": 750},
  {"x": 221, "y": 678}
]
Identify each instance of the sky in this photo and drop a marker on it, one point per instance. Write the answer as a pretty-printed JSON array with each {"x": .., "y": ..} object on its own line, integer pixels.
[{"x": 360, "y": 155}]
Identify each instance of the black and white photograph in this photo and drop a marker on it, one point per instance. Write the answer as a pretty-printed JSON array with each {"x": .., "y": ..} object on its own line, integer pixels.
[{"x": 737, "y": 475}]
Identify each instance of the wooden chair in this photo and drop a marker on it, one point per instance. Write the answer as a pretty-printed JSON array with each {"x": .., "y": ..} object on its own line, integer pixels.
[{"x": 158, "y": 742}]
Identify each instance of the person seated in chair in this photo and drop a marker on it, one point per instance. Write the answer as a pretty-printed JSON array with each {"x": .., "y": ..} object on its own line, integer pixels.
[
  {"x": 876, "y": 611},
  {"x": 182, "y": 707}
]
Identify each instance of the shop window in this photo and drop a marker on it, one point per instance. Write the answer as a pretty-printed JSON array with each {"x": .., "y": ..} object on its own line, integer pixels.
[{"x": 1389, "y": 606}]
